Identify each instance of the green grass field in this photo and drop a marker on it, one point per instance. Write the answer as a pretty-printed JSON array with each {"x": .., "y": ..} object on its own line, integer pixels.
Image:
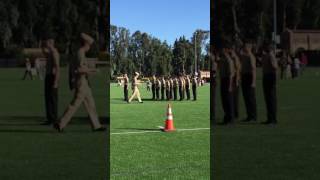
[
  {"x": 30, "y": 151},
  {"x": 155, "y": 154},
  {"x": 291, "y": 150}
]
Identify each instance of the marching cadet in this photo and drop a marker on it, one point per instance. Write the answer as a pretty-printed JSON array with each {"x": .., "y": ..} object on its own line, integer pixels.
[
  {"x": 175, "y": 88},
  {"x": 269, "y": 70},
  {"x": 248, "y": 82},
  {"x": 171, "y": 88},
  {"x": 135, "y": 88},
  {"x": 125, "y": 87},
  {"x": 188, "y": 86},
  {"x": 194, "y": 87},
  {"x": 163, "y": 87},
  {"x": 236, "y": 81},
  {"x": 168, "y": 87},
  {"x": 28, "y": 70},
  {"x": 153, "y": 87},
  {"x": 83, "y": 92},
  {"x": 226, "y": 74},
  {"x": 51, "y": 81},
  {"x": 158, "y": 87}
]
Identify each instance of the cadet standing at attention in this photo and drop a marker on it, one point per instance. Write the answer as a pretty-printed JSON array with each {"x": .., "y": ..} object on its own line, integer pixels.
[
  {"x": 248, "y": 82},
  {"x": 269, "y": 79},
  {"x": 226, "y": 74},
  {"x": 171, "y": 89},
  {"x": 125, "y": 87},
  {"x": 168, "y": 87},
  {"x": 163, "y": 87},
  {"x": 194, "y": 87},
  {"x": 180, "y": 88},
  {"x": 83, "y": 92},
  {"x": 183, "y": 87},
  {"x": 236, "y": 81},
  {"x": 51, "y": 80},
  {"x": 135, "y": 88},
  {"x": 158, "y": 86},
  {"x": 175, "y": 88},
  {"x": 188, "y": 86},
  {"x": 153, "y": 87}
]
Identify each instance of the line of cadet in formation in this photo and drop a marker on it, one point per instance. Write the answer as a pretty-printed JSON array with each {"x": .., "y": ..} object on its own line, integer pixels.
[
  {"x": 169, "y": 88},
  {"x": 238, "y": 68}
]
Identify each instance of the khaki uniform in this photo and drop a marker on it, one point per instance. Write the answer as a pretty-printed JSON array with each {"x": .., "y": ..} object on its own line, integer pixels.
[
  {"x": 226, "y": 74},
  {"x": 269, "y": 82},
  {"x": 194, "y": 88},
  {"x": 153, "y": 88},
  {"x": 168, "y": 88},
  {"x": 171, "y": 89},
  {"x": 181, "y": 88},
  {"x": 51, "y": 93},
  {"x": 158, "y": 86},
  {"x": 248, "y": 68},
  {"x": 136, "y": 92},
  {"x": 83, "y": 95},
  {"x": 236, "y": 82},
  {"x": 163, "y": 87},
  {"x": 175, "y": 88},
  {"x": 188, "y": 85}
]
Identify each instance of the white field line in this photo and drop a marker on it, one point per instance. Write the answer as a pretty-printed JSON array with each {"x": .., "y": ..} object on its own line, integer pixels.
[{"x": 143, "y": 132}]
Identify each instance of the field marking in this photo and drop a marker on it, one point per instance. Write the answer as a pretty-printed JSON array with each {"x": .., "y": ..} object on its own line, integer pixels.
[{"x": 143, "y": 132}]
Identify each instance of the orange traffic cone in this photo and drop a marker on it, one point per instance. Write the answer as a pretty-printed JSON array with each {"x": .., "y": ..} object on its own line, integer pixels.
[{"x": 169, "y": 121}]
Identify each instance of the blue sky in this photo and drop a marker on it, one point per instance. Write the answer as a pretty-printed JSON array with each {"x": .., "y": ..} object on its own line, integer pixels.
[{"x": 164, "y": 19}]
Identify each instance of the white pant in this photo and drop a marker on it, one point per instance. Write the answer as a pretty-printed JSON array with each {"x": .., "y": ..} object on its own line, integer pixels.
[{"x": 135, "y": 93}]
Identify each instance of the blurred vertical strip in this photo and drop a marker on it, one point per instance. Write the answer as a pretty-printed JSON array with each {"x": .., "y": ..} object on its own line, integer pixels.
[
  {"x": 104, "y": 41},
  {"x": 213, "y": 37}
]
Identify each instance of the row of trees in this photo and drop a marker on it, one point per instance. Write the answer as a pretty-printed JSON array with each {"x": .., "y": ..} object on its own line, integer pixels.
[
  {"x": 247, "y": 19},
  {"x": 148, "y": 55},
  {"x": 23, "y": 23}
]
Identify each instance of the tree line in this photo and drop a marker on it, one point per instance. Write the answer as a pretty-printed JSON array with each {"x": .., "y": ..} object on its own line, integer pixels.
[
  {"x": 149, "y": 55},
  {"x": 24, "y": 23},
  {"x": 242, "y": 20}
]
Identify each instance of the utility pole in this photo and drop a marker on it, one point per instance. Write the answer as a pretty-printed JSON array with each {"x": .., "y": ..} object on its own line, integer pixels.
[
  {"x": 275, "y": 25},
  {"x": 195, "y": 52}
]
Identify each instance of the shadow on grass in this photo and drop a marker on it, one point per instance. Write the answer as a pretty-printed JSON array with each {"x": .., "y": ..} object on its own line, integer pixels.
[
  {"x": 237, "y": 123},
  {"x": 38, "y": 120},
  {"x": 49, "y": 131},
  {"x": 25, "y": 131},
  {"x": 140, "y": 129},
  {"x": 143, "y": 99}
]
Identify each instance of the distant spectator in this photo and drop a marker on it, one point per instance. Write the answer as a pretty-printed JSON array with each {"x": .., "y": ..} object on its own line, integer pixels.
[
  {"x": 283, "y": 65},
  {"x": 295, "y": 67},
  {"x": 303, "y": 62}
]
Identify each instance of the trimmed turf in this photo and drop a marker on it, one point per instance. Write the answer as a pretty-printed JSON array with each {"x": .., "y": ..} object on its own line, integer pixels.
[
  {"x": 291, "y": 150},
  {"x": 30, "y": 151},
  {"x": 159, "y": 155}
]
